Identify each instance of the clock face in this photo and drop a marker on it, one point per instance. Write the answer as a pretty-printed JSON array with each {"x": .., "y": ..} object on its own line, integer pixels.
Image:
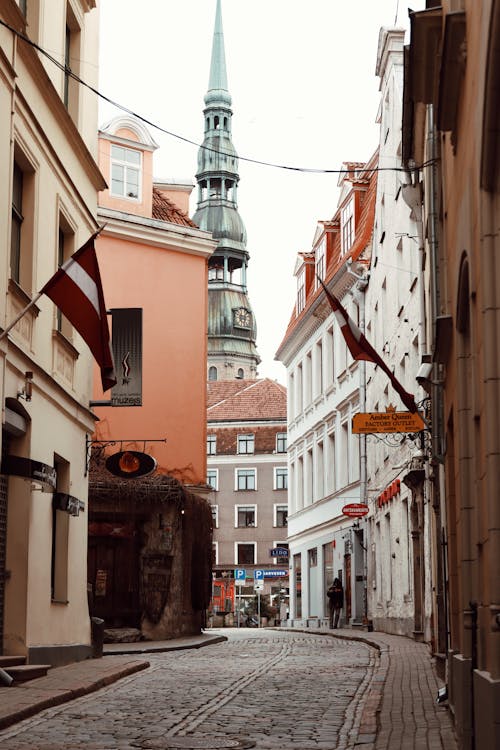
[{"x": 242, "y": 318}]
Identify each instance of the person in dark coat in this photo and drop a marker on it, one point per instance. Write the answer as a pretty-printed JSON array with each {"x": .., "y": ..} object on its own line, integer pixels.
[{"x": 335, "y": 596}]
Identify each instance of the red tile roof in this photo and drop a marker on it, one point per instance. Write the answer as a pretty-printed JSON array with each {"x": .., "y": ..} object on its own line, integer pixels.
[
  {"x": 364, "y": 230},
  {"x": 165, "y": 210},
  {"x": 239, "y": 400}
]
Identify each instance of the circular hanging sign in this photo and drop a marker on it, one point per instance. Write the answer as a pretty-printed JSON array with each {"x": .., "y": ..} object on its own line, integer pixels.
[
  {"x": 355, "y": 510},
  {"x": 130, "y": 464}
]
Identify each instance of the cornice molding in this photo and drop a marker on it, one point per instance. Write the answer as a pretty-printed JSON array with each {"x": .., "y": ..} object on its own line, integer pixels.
[{"x": 156, "y": 233}]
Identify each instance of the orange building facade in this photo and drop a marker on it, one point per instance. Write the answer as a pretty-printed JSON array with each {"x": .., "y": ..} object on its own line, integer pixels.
[{"x": 147, "y": 572}]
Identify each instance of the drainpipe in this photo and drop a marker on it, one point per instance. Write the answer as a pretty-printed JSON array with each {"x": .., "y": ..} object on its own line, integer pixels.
[{"x": 359, "y": 296}]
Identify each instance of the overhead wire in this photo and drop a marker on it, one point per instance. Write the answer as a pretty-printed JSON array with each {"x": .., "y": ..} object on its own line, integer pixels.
[{"x": 287, "y": 167}]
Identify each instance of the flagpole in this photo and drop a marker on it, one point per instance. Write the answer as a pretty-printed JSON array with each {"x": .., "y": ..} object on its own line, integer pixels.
[
  {"x": 20, "y": 315},
  {"x": 37, "y": 296}
]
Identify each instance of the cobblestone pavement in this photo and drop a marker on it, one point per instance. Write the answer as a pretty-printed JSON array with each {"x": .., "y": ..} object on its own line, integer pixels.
[{"x": 272, "y": 690}]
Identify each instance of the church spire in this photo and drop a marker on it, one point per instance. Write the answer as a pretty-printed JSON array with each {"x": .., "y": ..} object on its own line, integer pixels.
[
  {"x": 232, "y": 331},
  {"x": 217, "y": 83}
]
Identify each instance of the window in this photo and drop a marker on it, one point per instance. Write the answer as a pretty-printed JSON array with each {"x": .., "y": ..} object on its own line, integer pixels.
[
  {"x": 72, "y": 62},
  {"x": 312, "y": 556},
  {"x": 215, "y": 553},
  {"x": 246, "y": 479},
  {"x": 281, "y": 517},
  {"x": 245, "y": 553},
  {"x": 213, "y": 478},
  {"x": 212, "y": 373},
  {"x": 281, "y": 478},
  {"x": 17, "y": 221},
  {"x": 216, "y": 273},
  {"x": 281, "y": 559},
  {"x": 246, "y": 443},
  {"x": 245, "y": 516},
  {"x": 211, "y": 445},
  {"x": 125, "y": 172},
  {"x": 215, "y": 515},
  {"x": 22, "y": 229},
  {"x": 65, "y": 249},
  {"x": 281, "y": 442},
  {"x": 347, "y": 223},
  {"x": 240, "y": 374},
  {"x": 22, "y": 6},
  {"x": 320, "y": 261},
  {"x": 301, "y": 291}
]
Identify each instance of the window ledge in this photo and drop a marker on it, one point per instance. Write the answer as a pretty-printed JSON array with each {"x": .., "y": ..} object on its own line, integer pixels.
[{"x": 63, "y": 341}]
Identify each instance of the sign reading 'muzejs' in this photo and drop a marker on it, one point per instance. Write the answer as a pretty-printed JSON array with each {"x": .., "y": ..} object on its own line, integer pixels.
[{"x": 390, "y": 421}]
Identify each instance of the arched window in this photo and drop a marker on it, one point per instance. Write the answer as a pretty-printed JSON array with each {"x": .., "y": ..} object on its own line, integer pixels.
[
  {"x": 240, "y": 374},
  {"x": 212, "y": 373}
]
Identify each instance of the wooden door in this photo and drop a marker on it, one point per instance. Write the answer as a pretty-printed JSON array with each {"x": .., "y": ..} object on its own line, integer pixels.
[{"x": 113, "y": 573}]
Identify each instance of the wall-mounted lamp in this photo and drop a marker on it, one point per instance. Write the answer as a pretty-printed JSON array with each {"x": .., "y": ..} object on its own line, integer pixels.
[{"x": 27, "y": 390}]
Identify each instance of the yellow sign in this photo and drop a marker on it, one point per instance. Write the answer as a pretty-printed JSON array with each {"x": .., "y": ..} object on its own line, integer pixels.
[{"x": 391, "y": 421}]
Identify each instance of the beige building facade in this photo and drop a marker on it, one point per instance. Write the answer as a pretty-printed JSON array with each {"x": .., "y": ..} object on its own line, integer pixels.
[
  {"x": 49, "y": 180},
  {"x": 451, "y": 124}
]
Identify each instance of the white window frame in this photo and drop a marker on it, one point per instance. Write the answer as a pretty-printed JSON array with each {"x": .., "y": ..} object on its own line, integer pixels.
[
  {"x": 212, "y": 442},
  {"x": 301, "y": 291},
  {"x": 215, "y": 515},
  {"x": 347, "y": 232},
  {"x": 280, "y": 438},
  {"x": 245, "y": 438},
  {"x": 251, "y": 506},
  {"x": 236, "y": 544},
  {"x": 275, "y": 516},
  {"x": 126, "y": 166},
  {"x": 215, "y": 546},
  {"x": 216, "y": 473},
  {"x": 320, "y": 261},
  {"x": 236, "y": 477},
  {"x": 277, "y": 469}
]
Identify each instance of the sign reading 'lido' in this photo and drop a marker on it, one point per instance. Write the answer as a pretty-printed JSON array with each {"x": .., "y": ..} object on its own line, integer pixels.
[{"x": 355, "y": 510}]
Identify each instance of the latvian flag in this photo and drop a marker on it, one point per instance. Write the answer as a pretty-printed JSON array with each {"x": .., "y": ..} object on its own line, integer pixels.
[
  {"x": 361, "y": 348},
  {"x": 76, "y": 289}
]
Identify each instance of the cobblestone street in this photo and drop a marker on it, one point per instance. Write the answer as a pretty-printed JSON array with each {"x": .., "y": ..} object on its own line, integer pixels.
[{"x": 262, "y": 689}]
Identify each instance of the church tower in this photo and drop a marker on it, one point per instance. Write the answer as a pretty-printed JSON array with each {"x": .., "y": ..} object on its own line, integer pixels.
[{"x": 232, "y": 330}]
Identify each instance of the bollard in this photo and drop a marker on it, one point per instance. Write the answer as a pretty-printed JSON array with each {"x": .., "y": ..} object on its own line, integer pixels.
[{"x": 97, "y": 631}]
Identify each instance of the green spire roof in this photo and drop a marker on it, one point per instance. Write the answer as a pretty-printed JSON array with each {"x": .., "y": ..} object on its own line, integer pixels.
[{"x": 217, "y": 83}]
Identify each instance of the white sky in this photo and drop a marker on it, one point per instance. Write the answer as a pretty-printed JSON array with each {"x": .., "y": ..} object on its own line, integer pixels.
[{"x": 301, "y": 74}]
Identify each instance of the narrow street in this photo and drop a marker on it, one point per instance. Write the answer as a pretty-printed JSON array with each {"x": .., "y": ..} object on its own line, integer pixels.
[{"x": 262, "y": 689}]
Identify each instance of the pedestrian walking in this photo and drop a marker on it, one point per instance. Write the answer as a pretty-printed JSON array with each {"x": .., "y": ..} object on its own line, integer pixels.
[{"x": 335, "y": 596}]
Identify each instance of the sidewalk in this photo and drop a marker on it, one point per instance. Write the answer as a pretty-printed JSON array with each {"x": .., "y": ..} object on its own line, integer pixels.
[
  {"x": 63, "y": 684},
  {"x": 400, "y": 711}
]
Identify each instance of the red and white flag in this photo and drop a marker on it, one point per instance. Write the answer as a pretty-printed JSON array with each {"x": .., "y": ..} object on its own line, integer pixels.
[
  {"x": 76, "y": 289},
  {"x": 360, "y": 347}
]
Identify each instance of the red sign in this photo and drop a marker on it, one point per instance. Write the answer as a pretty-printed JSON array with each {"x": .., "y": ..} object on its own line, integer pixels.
[{"x": 355, "y": 510}]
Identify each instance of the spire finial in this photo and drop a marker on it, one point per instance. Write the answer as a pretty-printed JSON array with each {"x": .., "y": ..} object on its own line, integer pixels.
[{"x": 217, "y": 83}]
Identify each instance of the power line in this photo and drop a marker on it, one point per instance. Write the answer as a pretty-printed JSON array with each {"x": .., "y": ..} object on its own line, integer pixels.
[{"x": 305, "y": 170}]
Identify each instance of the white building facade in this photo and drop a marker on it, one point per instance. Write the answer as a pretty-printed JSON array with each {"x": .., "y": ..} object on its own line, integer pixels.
[
  {"x": 323, "y": 395},
  {"x": 399, "y": 523}
]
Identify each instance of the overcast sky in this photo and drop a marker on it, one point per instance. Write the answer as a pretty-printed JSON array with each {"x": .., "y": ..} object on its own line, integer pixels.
[{"x": 301, "y": 74}]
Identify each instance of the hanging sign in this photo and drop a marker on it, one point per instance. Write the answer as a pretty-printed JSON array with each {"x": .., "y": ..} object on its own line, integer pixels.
[
  {"x": 127, "y": 352},
  {"x": 26, "y": 468},
  {"x": 355, "y": 510},
  {"x": 68, "y": 503},
  {"x": 130, "y": 464},
  {"x": 278, "y": 552},
  {"x": 391, "y": 421}
]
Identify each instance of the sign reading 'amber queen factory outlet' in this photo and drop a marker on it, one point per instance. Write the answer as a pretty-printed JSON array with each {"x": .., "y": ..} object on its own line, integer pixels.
[{"x": 390, "y": 421}]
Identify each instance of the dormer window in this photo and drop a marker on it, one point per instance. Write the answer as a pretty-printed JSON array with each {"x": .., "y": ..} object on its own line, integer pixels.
[
  {"x": 125, "y": 172},
  {"x": 320, "y": 261},
  {"x": 347, "y": 226},
  {"x": 301, "y": 291}
]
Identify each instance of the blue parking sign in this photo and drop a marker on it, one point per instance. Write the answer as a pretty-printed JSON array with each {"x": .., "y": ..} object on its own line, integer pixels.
[
  {"x": 240, "y": 574},
  {"x": 258, "y": 575}
]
